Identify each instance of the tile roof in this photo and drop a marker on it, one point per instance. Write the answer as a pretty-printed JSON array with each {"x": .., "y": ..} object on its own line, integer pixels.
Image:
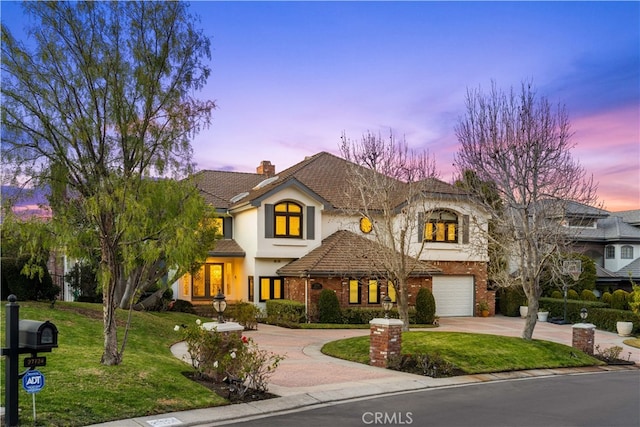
[
  {"x": 610, "y": 229},
  {"x": 323, "y": 175},
  {"x": 346, "y": 253},
  {"x": 227, "y": 248},
  {"x": 220, "y": 187}
]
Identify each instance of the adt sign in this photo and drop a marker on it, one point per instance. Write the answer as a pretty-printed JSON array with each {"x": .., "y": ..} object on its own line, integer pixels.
[{"x": 33, "y": 381}]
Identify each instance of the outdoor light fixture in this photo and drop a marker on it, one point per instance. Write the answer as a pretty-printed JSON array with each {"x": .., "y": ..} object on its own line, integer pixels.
[
  {"x": 219, "y": 305},
  {"x": 583, "y": 313},
  {"x": 387, "y": 305}
]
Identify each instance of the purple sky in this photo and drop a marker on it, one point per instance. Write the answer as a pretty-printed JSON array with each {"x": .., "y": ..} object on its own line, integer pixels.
[{"x": 290, "y": 77}]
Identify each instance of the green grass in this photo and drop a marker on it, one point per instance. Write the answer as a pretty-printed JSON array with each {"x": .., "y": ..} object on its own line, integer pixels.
[
  {"x": 79, "y": 390},
  {"x": 472, "y": 353},
  {"x": 633, "y": 342}
]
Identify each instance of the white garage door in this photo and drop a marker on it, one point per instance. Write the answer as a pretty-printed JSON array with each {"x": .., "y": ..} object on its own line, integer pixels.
[{"x": 453, "y": 295}]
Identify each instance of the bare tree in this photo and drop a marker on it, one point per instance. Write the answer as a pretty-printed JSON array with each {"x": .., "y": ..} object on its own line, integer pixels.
[
  {"x": 386, "y": 186},
  {"x": 521, "y": 144}
]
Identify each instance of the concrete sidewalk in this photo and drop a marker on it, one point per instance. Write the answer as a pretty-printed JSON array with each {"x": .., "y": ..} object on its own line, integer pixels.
[{"x": 309, "y": 378}]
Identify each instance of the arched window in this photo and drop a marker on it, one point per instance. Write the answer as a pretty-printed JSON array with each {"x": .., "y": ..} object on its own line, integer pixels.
[
  {"x": 288, "y": 220},
  {"x": 441, "y": 226}
]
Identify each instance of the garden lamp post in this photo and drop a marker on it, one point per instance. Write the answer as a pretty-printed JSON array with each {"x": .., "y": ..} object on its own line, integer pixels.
[
  {"x": 219, "y": 305},
  {"x": 387, "y": 305},
  {"x": 583, "y": 314}
]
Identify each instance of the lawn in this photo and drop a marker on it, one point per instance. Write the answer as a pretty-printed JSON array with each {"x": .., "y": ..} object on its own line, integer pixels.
[
  {"x": 79, "y": 390},
  {"x": 472, "y": 353}
]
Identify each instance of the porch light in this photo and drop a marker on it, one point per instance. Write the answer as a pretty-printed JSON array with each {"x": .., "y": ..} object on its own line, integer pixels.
[
  {"x": 387, "y": 305},
  {"x": 583, "y": 314},
  {"x": 219, "y": 305}
]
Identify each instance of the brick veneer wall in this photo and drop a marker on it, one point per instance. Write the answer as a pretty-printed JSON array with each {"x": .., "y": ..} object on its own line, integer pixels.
[
  {"x": 385, "y": 341},
  {"x": 583, "y": 337},
  {"x": 294, "y": 287}
]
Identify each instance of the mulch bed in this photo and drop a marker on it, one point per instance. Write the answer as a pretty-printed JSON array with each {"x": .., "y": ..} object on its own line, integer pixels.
[{"x": 222, "y": 389}]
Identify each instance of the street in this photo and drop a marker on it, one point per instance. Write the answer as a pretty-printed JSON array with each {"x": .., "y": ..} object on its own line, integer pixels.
[{"x": 602, "y": 399}]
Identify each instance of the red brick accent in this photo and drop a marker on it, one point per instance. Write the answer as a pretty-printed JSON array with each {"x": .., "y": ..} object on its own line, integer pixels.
[
  {"x": 385, "y": 342},
  {"x": 295, "y": 286},
  {"x": 266, "y": 168},
  {"x": 583, "y": 337}
]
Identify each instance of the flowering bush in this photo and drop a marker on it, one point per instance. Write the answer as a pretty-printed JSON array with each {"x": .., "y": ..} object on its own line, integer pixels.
[{"x": 229, "y": 357}]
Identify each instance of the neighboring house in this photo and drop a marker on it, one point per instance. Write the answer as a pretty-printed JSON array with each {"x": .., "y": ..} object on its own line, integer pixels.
[
  {"x": 287, "y": 236},
  {"x": 611, "y": 240}
]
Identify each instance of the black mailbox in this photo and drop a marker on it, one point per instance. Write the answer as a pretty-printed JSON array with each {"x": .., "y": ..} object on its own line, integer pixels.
[{"x": 37, "y": 336}]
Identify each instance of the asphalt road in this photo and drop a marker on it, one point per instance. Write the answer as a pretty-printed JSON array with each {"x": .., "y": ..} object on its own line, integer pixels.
[{"x": 598, "y": 400}]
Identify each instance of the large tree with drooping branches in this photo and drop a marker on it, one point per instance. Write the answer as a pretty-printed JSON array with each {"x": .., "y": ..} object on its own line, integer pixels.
[{"x": 99, "y": 101}]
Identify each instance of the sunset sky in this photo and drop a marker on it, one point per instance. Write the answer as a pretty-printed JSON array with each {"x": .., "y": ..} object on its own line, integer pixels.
[{"x": 290, "y": 77}]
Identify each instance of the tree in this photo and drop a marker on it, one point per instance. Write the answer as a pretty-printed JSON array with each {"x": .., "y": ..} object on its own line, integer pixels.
[
  {"x": 387, "y": 184},
  {"x": 521, "y": 144},
  {"x": 98, "y": 104}
]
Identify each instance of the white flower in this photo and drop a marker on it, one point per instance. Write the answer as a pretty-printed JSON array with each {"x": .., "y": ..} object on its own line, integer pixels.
[
  {"x": 233, "y": 354},
  {"x": 215, "y": 364},
  {"x": 198, "y": 322},
  {"x": 176, "y": 328}
]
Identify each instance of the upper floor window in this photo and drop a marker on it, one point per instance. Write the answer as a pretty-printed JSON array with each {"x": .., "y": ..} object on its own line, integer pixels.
[
  {"x": 365, "y": 225},
  {"x": 441, "y": 226},
  {"x": 626, "y": 252},
  {"x": 610, "y": 252},
  {"x": 288, "y": 220}
]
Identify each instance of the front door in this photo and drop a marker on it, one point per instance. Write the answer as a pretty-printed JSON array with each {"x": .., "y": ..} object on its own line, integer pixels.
[{"x": 208, "y": 281}]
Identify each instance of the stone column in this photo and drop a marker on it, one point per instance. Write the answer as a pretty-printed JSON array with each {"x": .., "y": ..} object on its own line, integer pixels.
[
  {"x": 385, "y": 341},
  {"x": 583, "y": 337}
]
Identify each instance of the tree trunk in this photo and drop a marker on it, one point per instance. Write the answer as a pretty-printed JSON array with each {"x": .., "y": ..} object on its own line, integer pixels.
[
  {"x": 532, "y": 316},
  {"x": 403, "y": 304},
  {"x": 150, "y": 301},
  {"x": 110, "y": 276}
]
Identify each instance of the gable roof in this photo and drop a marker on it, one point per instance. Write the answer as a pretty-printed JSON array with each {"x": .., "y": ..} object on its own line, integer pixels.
[
  {"x": 219, "y": 187},
  {"x": 346, "y": 254}
]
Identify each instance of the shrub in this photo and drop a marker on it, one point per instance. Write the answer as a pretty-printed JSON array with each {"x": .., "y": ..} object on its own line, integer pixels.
[
  {"x": 633, "y": 300},
  {"x": 425, "y": 307},
  {"x": 511, "y": 299},
  {"x": 598, "y": 313},
  {"x": 363, "y": 315},
  {"x": 556, "y": 295},
  {"x": 619, "y": 299},
  {"x": 285, "y": 312},
  {"x": 228, "y": 356},
  {"x": 329, "y": 307},
  {"x": 246, "y": 314},
  {"x": 183, "y": 306},
  {"x": 588, "y": 295},
  {"x": 572, "y": 294},
  {"x": 606, "y": 298},
  {"x": 25, "y": 287}
]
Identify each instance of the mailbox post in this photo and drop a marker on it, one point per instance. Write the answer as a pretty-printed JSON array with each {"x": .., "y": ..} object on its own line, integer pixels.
[{"x": 22, "y": 336}]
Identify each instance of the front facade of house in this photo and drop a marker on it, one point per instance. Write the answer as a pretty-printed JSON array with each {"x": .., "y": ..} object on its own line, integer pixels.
[
  {"x": 612, "y": 241},
  {"x": 287, "y": 236}
]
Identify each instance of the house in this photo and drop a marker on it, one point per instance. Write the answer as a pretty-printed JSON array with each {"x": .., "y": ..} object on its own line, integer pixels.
[
  {"x": 287, "y": 236},
  {"x": 611, "y": 240}
]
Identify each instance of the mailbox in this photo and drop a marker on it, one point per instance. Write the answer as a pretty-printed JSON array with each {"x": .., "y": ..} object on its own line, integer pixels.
[{"x": 37, "y": 336}]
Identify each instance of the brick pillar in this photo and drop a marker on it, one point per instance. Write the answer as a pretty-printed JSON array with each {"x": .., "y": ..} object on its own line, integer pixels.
[
  {"x": 583, "y": 337},
  {"x": 385, "y": 341}
]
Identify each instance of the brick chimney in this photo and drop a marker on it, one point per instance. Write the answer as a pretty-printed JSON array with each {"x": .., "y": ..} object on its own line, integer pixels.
[{"x": 266, "y": 168}]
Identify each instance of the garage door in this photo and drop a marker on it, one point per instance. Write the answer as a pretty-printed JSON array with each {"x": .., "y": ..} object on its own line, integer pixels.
[{"x": 453, "y": 295}]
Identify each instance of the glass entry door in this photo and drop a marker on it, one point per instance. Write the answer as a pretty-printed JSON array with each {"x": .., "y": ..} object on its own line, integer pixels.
[{"x": 208, "y": 280}]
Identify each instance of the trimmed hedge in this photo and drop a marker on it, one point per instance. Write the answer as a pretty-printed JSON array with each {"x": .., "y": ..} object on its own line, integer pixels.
[
  {"x": 510, "y": 300},
  {"x": 587, "y": 295},
  {"x": 619, "y": 299},
  {"x": 363, "y": 315},
  {"x": 425, "y": 307},
  {"x": 329, "y": 307},
  {"x": 573, "y": 294},
  {"x": 284, "y": 311},
  {"x": 598, "y": 313}
]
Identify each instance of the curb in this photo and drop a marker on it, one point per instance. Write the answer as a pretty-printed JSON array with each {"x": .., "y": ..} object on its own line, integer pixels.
[{"x": 235, "y": 413}]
